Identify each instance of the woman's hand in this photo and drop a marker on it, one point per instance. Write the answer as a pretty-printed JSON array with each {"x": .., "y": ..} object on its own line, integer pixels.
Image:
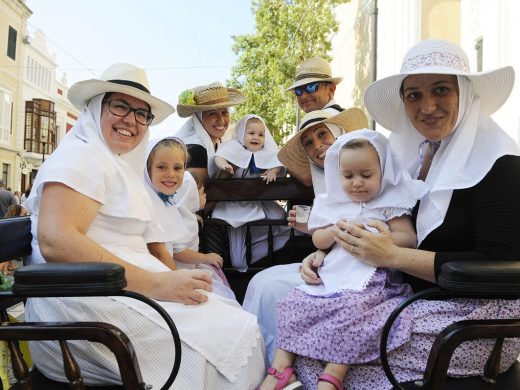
[
  {"x": 377, "y": 249},
  {"x": 66, "y": 215},
  {"x": 202, "y": 198},
  {"x": 228, "y": 168},
  {"x": 310, "y": 264},
  {"x": 224, "y": 165},
  {"x": 291, "y": 221},
  {"x": 214, "y": 259},
  {"x": 182, "y": 286}
]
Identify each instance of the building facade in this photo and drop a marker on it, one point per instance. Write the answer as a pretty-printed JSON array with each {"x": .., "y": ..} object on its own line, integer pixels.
[
  {"x": 485, "y": 29},
  {"x": 13, "y": 32},
  {"x": 35, "y": 113}
]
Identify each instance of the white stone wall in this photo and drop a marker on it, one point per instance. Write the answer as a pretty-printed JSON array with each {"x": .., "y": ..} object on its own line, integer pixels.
[
  {"x": 399, "y": 28},
  {"x": 497, "y": 22}
]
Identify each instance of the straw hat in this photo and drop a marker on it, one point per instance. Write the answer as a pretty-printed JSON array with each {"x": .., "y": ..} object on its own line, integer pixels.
[
  {"x": 120, "y": 78},
  {"x": 293, "y": 156},
  {"x": 311, "y": 70},
  {"x": 208, "y": 97},
  {"x": 433, "y": 56}
]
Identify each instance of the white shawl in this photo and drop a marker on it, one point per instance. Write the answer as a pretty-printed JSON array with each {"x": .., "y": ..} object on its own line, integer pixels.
[
  {"x": 236, "y": 153},
  {"x": 83, "y": 162},
  {"x": 462, "y": 161},
  {"x": 192, "y": 132},
  {"x": 317, "y": 174}
]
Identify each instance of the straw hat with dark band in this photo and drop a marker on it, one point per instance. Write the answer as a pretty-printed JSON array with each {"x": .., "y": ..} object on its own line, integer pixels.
[
  {"x": 207, "y": 97},
  {"x": 120, "y": 78},
  {"x": 293, "y": 156},
  {"x": 311, "y": 70}
]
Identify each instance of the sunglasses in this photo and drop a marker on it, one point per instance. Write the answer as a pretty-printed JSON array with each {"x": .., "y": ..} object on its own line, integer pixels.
[{"x": 309, "y": 88}]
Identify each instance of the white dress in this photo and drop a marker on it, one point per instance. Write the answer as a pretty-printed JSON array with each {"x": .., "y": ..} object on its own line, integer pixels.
[
  {"x": 259, "y": 234},
  {"x": 221, "y": 345},
  {"x": 178, "y": 228},
  {"x": 239, "y": 213},
  {"x": 268, "y": 286}
]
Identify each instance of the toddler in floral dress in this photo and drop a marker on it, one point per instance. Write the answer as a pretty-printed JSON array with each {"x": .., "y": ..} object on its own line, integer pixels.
[{"x": 339, "y": 321}]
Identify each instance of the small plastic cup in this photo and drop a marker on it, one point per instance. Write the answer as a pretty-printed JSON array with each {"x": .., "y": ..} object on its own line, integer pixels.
[{"x": 302, "y": 213}]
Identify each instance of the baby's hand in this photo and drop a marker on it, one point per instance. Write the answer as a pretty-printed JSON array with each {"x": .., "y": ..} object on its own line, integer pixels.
[
  {"x": 213, "y": 258},
  {"x": 269, "y": 176}
]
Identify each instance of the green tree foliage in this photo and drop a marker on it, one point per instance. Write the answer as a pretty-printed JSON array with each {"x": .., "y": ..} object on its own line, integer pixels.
[{"x": 287, "y": 32}]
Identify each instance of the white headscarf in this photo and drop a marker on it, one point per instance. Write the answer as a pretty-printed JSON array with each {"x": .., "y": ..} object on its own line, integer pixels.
[
  {"x": 236, "y": 153},
  {"x": 462, "y": 161},
  {"x": 317, "y": 174},
  {"x": 187, "y": 201},
  {"x": 172, "y": 227},
  {"x": 397, "y": 196},
  {"x": 398, "y": 190},
  {"x": 84, "y": 162},
  {"x": 193, "y": 132}
]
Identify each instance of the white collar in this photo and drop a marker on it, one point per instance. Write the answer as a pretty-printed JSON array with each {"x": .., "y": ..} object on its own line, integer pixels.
[
  {"x": 398, "y": 189},
  {"x": 236, "y": 153},
  {"x": 462, "y": 161}
]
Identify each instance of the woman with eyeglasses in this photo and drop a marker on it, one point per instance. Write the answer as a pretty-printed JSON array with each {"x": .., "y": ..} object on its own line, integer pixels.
[{"x": 89, "y": 203}]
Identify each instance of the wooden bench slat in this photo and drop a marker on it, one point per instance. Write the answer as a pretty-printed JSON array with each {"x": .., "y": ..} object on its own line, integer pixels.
[{"x": 256, "y": 189}]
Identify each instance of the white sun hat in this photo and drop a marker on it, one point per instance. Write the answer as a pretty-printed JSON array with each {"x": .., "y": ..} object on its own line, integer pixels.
[
  {"x": 434, "y": 56},
  {"x": 120, "y": 78}
]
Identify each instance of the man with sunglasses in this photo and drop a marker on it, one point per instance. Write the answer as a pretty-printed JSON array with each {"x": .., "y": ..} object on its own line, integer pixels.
[{"x": 314, "y": 86}]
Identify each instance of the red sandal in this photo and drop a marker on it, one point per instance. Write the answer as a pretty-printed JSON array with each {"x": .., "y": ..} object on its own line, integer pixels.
[
  {"x": 332, "y": 380},
  {"x": 283, "y": 378}
]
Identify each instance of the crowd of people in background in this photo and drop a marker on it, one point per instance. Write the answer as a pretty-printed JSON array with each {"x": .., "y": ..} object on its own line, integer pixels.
[{"x": 388, "y": 212}]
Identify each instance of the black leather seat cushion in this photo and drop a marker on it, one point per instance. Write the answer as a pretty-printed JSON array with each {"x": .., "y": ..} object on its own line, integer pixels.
[{"x": 496, "y": 277}]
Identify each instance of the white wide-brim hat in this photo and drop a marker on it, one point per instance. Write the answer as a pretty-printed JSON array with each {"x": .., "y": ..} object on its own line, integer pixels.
[
  {"x": 120, "y": 78},
  {"x": 311, "y": 70},
  {"x": 434, "y": 56},
  {"x": 292, "y": 154},
  {"x": 207, "y": 97}
]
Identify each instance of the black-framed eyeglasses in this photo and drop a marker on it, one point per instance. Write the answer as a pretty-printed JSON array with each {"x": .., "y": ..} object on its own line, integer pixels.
[
  {"x": 309, "y": 88},
  {"x": 119, "y": 108}
]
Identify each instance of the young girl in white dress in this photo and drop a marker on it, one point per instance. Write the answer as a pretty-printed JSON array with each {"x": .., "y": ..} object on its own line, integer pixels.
[
  {"x": 251, "y": 154},
  {"x": 165, "y": 175},
  {"x": 339, "y": 321}
]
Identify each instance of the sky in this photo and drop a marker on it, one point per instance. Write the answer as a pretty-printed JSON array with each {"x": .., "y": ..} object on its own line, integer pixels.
[{"x": 181, "y": 43}]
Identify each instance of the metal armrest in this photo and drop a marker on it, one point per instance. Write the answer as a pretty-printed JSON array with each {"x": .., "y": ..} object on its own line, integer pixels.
[
  {"x": 82, "y": 279},
  {"x": 479, "y": 279}
]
